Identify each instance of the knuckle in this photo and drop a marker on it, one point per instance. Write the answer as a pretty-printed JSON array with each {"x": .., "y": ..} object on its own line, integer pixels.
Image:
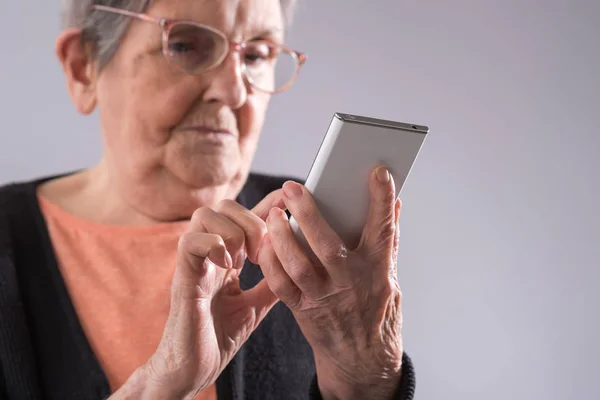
[
  {"x": 279, "y": 287},
  {"x": 255, "y": 222},
  {"x": 283, "y": 288},
  {"x": 254, "y": 225},
  {"x": 387, "y": 231},
  {"x": 257, "y": 228},
  {"x": 193, "y": 243},
  {"x": 187, "y": 247},
  {"x": 190, "y": 240},
  {"x": 237, "y": 237},
  {"x": 216, "y": 241},
  {"x": 293, "y": 299},
  {"x": 387, "y": 288},
  {"x": 185, "y": 241},
  {"x": 310, "y": 218},
  {"x": 300, "y": 272},
  {"x": 200, "y": 215},
  {"x": 388, "y": 197},
  {"x": 381, "y": 236},
  {"x": 333, "y": 253}
]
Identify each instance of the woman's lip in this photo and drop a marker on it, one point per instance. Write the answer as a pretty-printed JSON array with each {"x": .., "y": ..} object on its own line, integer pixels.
[{"x": 206, "y": 129}]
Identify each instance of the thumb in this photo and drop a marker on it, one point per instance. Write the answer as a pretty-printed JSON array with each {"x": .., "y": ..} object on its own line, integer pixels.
[
  {"x": 272, "y": 200},
  {"x": 194, "y": 277},
  {"x": 379, "y": 231},
  {"x": 261, "y": 299}
]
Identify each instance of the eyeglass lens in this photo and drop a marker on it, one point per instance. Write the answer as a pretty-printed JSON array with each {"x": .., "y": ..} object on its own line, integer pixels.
[{"x": 194, "y": 48}]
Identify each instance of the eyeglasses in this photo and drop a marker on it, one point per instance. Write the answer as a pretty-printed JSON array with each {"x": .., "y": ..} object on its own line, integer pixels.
[{"x": 195, "y": 48}]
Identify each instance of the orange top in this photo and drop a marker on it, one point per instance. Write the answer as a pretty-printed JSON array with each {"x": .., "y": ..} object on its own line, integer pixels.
[{"x": 119, "y": 280}]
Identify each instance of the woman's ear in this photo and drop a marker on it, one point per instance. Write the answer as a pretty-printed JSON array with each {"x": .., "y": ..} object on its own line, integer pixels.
[{"x": 79, "y": 67}]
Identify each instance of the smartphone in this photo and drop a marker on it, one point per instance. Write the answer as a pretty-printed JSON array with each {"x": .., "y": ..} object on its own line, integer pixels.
[{"x": 339, "y": 177}]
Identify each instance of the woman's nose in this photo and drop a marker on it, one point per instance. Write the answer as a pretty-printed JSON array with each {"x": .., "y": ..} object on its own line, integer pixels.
[{"x": 227, "y": 83}]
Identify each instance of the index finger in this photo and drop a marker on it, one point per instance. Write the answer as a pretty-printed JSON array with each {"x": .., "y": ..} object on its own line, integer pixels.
[
  {"x": 252, "y": 222},
  {"x": 322, "y": 239},
  {"x": 272, "y": 200}
]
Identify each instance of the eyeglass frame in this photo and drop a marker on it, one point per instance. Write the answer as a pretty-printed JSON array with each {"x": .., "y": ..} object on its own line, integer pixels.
[{"x": 231, "y": 46}]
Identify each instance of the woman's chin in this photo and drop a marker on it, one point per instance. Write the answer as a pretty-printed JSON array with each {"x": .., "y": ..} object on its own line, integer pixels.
[{"x": 206, "y": 173}]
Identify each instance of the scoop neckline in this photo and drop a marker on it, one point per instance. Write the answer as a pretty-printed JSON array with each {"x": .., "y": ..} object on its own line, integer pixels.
[{"x": 50, "y": 208}]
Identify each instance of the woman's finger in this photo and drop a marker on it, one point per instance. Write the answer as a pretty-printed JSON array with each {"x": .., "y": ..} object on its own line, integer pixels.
[
  {"x": 377, "y": 240},
  {"x": 307, "y": 277},
  {"x": 206, "y": 220},
  {"x": 252, "y": 225},
  {"x": 252, "y": 222},
  {"x": 261, "y": 299},
  {"x": 279, "y": 282},
  {"x": 322, "y": 239},
  {"x": 195, "y": 249},
  {"x": 272, "y": 200}
]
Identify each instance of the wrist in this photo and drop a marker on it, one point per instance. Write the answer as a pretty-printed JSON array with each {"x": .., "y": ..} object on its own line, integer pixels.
[
  {"x": 147, "y": 385},
  {"x": 336, "y": 384}
]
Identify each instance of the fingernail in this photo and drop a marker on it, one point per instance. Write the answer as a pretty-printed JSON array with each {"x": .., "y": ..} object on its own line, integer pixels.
[
  {"x": 271, "y": 214},
  {"x": 228, "y": 260},
  {"x": 276, "y": 213},
  {"x": 292, "y": 190},
  {"x": 383, "y": 175},
  {"x": 240, "y": 260}
]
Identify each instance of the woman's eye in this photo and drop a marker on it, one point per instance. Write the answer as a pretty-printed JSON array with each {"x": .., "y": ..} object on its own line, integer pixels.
[
  {"x": 253, "y": 58},
  {"x": 181, "y": 47},
  {"x": 259, "y": 52}
]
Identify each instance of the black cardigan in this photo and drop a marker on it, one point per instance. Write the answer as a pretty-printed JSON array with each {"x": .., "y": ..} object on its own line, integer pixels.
[{"x": 44, "y": 353}]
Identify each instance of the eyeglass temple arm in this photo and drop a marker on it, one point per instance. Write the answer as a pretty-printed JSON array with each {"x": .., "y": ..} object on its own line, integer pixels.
[{"x": 143, "y": 17}]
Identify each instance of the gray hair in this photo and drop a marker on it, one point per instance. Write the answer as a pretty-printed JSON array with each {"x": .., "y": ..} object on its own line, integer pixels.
[{"x": 104, "y": 31}]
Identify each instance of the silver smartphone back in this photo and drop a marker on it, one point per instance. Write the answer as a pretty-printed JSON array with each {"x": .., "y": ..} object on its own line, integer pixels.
[{"x": 339, "y": 177}]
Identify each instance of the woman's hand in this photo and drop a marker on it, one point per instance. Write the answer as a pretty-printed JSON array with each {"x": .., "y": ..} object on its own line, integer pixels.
[
  {"x": 210, "y": 316},
  {"x": 348, "y": 302}
]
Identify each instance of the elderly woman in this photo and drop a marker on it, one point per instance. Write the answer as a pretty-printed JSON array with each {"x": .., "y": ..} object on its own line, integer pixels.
[{"x": 168, "y": 270}]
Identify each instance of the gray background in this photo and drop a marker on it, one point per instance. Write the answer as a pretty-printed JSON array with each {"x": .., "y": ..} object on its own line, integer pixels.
[{"x": 499, "y": 252}]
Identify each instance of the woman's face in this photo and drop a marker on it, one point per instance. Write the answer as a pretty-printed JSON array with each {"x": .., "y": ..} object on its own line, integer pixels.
[{"x": 175, "y": 140}]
